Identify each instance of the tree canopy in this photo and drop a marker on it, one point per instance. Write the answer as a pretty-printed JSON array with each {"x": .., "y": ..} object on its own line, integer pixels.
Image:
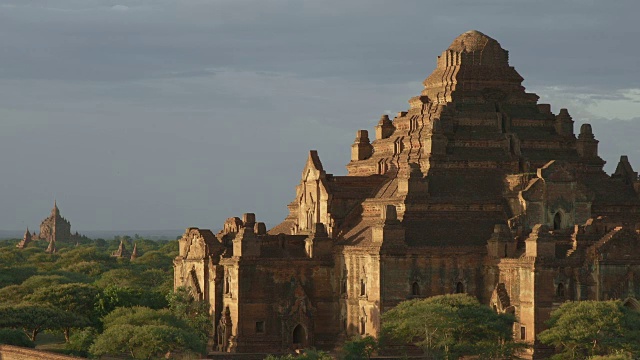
[
  {"x": 588, "y": 328},
  {"x": 145, "y": 333},
  {"x": 70, "y": 292},
  {"x": 450, "y": 326}
]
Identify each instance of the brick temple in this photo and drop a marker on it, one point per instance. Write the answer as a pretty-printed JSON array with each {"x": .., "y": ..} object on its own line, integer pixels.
[
  {"x": 53, "y": 228},
  {"x": 476, "y": 188}
]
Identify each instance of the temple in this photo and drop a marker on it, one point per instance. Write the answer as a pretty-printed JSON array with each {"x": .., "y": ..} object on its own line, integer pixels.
[
  {"x": 55, "y": 227},
  {"x": 122, "y": 252},
  {"x": 52, "y": 229},
  {"x": 476, "y": 188}
]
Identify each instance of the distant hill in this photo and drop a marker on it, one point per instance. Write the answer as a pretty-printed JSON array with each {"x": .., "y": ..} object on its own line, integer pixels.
[{"x": 108, "y": 234}]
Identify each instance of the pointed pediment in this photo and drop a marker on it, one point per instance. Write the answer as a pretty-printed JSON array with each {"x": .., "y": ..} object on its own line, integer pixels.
[
  {"x": 624, "y": 171},
  {"x": 313, "y": 169},
  {"x": 200, "y": 243}
]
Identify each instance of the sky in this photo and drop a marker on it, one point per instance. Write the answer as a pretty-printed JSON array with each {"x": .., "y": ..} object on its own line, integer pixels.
[{"x": 159, "y": 114}]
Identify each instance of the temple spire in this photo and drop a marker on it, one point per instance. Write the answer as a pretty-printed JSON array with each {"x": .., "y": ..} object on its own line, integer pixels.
[
  {"x": 55, "y": 211},
  {"x": 26, "y": 239},
  {"x": 134, "y": 253},
  {"x": 121, "y": 252}
]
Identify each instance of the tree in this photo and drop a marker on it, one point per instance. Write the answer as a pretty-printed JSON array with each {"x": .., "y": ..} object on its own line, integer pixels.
[
  {"x": 194, "y": 312},
  {"x": 359, "y": 348},
  {"x": 114, "y": 296},
  {"x": 15, "y": 275},
  {"x": 450, "y": 326},
  {"x": 144, "y": 333},
  {"x": 155, "y": 260},
  {"x": 77, "y": 300},
  {"x": 91, "y": 268},
  {"x": 81, "y": 341},
  {"x": 307, "y": 354},
  {"x": 15, "y": 337},
  {"x": 13, "y": 294},
  {"x": 39, "y": 281},
  {"x": 120, "y": 277},
  {"x": 588, "y": 328},
  {"x": 32, "y": 318}
]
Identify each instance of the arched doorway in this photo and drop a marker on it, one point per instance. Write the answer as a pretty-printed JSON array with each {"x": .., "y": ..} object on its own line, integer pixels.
[
  {"x": 415, "y": 289},
  {"x": 299, "y": 336},
  {"x": 557, "y": 221},
  {"x": 459, "y": 288}
]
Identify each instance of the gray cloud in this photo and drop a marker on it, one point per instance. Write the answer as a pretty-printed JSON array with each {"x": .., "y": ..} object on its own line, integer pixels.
[{"x": 163, "y": 114}]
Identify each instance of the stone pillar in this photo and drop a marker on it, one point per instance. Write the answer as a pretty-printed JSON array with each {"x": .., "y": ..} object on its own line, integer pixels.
[
  {"x": 318, "y": 244},
  {"x": 385, "y": 128},
  {"x": 361, "y": 148},
  {"x": 501, "y": 244},
  {"x": 260, "y": 228},
  {"x": 249, "y": 219},
  {"x": 587, "y": 145},
  {"x": 564, "y": 123},
  {"x": 246, "y": 242}
]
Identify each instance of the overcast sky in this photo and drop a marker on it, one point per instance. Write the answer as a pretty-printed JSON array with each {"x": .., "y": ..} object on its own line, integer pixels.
[{"x": 158, "y": 114}]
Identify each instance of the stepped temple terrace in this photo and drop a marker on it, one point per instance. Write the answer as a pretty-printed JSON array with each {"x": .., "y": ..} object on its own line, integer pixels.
[{"x": 476, "y": 188}]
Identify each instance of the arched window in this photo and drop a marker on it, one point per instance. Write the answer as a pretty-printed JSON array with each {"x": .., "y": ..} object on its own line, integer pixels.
[
  {"x": 226, "y": 284},
  {"x": 363, "y": 325},
  {"x": 560, "y": 290},
  {"x": 363, "y": 287},
  {"x": 343, "y": 286},
  {"x": 557, "y": 221},
  {"x": 459, "y": 288},
  {"x": 415, "y": 289},
  {"x": 299, "y": 336}
]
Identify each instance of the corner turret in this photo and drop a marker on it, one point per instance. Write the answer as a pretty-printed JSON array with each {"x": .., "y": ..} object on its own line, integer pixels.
[
  {"x": 385, "y": 128},
  {"x": 587, "y": 145},
  {"x": 564, "y": 123},
  {"x": 361, "y": 148},
  {"x": 246, "y": 243}
]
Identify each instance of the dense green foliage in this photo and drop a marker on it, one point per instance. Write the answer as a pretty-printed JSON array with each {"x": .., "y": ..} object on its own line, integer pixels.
[
  {"x": 102, "y": 305},
  {"x": 145, "y": 333},
  {"x": 451, "y": 326},
  {"x": 15, "y": 337},
  {"x": 590, "y": 328},
  {"x": 359, "y": 348},
  {"x": 308, "y": 354}
]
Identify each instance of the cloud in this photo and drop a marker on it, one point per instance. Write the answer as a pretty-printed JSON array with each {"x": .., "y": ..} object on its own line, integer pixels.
[
  {"x": 120, "y": 8},
  {"x": 184, "y": 113},
  {"x": 592, "y": 103}
]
